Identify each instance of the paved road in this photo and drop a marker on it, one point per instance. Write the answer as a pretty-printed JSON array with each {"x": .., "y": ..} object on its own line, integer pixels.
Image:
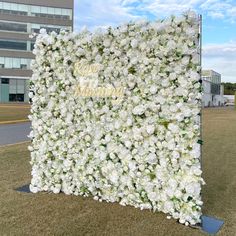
[{"x": 14, "y": 133}]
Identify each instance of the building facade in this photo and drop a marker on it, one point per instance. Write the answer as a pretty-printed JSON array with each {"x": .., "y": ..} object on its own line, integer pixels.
[
  {"x": 18, "y": 20},
  {"x": 213, "y": 90}
]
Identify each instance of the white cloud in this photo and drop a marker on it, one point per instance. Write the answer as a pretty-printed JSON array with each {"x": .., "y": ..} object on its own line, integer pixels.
[
  {"x": 113, "y": 12},
  {"x": 164, "y": 8},
  {"x": 216, "y": 15},
  {"x": 101, "y": 13},
  {"x": 220, "y": 9},
  {"x": 221, "y": 58}
]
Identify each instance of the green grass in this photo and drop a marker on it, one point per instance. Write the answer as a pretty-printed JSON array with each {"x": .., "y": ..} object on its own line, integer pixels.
[
  {"x": 11, "y": 112},
  {"x": 219, "y": 166},
  {"x": 51, "y": 214}
]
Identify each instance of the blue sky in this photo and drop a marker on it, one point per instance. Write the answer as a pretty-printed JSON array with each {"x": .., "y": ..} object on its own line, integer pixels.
[{"x": 219, "y": 24}]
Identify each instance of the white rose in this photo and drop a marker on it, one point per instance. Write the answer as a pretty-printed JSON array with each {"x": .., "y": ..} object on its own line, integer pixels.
[
  {"x": 33, "y": 189},
  {"x": 150, "y": 129},
  {"x": 173, "y": 128},
  {"x": 139, "y": 110},
  {"x": 153, "y": 89},
  {"x": 107, "y": 43},
  {"x": 134, "y": 43}
]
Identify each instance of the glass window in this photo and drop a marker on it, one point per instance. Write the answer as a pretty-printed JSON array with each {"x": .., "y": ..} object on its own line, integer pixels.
[
  {"x": 35, "y": 9},
  {"x": 67, "y": 13},
  {"x": 6, "y": 6},
  {"x": 64, "y": 12},
  {"x": 16, "y": 45},
  {"x": 44, "y": 10},
  {"x": 16, "y": 63},
  {"x": 14, "y": 7},
  {"x": 51, "y": 10},
  {"x": 35, "y": 30},
  {"x": 23, "y": 7},
  {"x": 10, "y": 26},
  {"x": 70, "y": 14},
  {"x": 29, "y": 64},
  {"x": 12, "y": 97},
  {"x": 57, "y": 11},
  {"x": 34, "y": 26},
  {"x": 5, "y": 81},
  {"x": 23, "y": 63},
  {"x": 8, "y": 62},
  {"x": 2, "y": 60},
  {"x": 20, "y": 97}
]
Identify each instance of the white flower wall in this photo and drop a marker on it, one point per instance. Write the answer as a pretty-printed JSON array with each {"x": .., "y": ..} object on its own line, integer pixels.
[{"x": 143, "y": 151}]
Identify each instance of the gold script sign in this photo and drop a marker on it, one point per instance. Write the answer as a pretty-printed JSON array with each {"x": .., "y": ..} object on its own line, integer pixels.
[
  {"x": 85, "y": 88},
  {"x": 99, "y": 92},
  {"x": 84, "y": 69}
]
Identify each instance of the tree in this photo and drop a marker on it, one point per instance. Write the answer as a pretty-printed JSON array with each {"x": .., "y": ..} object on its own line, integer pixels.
[{"x": 229, "y": 88}]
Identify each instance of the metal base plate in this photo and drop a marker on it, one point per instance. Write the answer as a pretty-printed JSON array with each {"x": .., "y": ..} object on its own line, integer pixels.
[
  {"x": 211, "y": 225},
  {"x": 24, "y": 189}
]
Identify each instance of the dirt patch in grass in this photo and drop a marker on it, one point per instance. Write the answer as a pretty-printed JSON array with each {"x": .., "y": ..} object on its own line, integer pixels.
[
  {"x": 51, "y": 214},
  {"x": 12, "y": 112}
]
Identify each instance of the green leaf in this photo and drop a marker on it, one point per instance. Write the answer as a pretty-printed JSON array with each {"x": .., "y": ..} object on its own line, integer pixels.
[
  {"x": 131, "y": 70},
  {"x": 152, "y": 176},
  {"x": 165, "y": 123},
  {"x": 100, "y": 50},
  {"x": 200, "y": 141}
]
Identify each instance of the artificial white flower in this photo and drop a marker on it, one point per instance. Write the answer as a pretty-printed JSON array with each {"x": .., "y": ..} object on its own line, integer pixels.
[
  {"x": 134, "y": 43},
  {"x": 150, "y": 129},
  {"x": 141, "y": 151}
]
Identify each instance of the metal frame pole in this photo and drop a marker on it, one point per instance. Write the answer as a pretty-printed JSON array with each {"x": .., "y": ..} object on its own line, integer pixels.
[{"x": 200, "y": 61}]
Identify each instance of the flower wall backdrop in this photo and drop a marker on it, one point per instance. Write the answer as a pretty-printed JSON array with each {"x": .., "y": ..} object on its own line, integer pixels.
[{"x": 138, "y": 147}]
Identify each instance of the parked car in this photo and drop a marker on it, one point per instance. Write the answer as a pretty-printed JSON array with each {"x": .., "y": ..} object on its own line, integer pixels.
[{"x": 229, "y": 104}]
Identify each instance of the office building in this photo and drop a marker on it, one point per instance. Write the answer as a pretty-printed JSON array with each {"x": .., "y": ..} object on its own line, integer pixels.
[
  {"x": 19, "y": 19},
  {"x": 213, "y": 90}
]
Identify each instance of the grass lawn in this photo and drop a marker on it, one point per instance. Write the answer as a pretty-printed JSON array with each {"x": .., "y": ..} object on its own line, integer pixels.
[
  {"x": 51, "y": 214},
  {"x": 12, "y": 112}
]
